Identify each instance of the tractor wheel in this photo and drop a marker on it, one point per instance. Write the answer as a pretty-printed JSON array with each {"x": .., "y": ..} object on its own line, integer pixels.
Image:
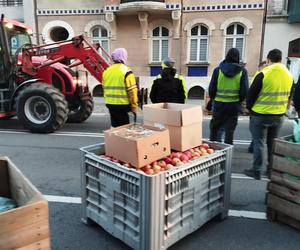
[
  {"x": 41, "y": 108},
  {"x": 82, "y": 112}
]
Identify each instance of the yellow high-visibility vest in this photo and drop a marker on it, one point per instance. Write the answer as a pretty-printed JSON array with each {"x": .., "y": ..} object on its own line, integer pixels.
[
  {"x": 228, "y": 87},
  {"x": 114, "y": 84},
  {"x": 276, "y": 87}
]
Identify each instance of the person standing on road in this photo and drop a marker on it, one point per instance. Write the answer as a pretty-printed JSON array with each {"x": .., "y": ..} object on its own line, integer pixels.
[
  {"x": 261, "y": 65},
  {"x": 168, "y": 86},
  {"x": 296, "y": 97},
  {"x": 228, "y": 88},
  {"x": 267, "y": 101},
  {"x": 120, "y": 89}
]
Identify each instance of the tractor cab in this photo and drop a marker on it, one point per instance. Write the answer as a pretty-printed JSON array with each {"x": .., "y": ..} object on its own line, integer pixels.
[{"x": 13, "y": 36}]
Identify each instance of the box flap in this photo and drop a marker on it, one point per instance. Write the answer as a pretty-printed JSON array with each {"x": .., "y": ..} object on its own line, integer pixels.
[{"x": 174, "y": 114}]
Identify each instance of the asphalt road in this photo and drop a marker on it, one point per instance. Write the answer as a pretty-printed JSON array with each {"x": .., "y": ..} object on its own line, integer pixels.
[{"x": 52, "y": 163}]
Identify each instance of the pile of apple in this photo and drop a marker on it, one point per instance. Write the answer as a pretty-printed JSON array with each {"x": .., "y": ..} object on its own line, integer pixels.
[{"x": 176, "y": 159}]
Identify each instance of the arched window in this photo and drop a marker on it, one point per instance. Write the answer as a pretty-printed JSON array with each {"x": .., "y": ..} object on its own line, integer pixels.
[
  {"x": 235, "y": 38},
  {"x": 199, "y": 44},
  {"x": 100, "y": 35},
  {"x": 160, "y": 44}
]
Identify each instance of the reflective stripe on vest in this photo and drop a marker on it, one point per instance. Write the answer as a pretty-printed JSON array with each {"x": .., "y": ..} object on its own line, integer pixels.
[
  {"x": 114, "y": 84},
  {"x": 275, "y": 92},
  {"x": 228, "y": 88}
]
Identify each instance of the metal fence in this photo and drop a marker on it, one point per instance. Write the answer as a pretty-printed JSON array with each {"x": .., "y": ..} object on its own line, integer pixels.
[{"x": 11, "y": 2}]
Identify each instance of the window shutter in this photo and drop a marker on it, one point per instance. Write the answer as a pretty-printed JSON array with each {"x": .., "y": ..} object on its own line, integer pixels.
[
  {"x": 240, "y": 46},
  {"x": 203, "y": 50},
  {"x": 193, "y": 50},
  {"x": 164, "y": 49},
  {"x": 155, "y": 51}
]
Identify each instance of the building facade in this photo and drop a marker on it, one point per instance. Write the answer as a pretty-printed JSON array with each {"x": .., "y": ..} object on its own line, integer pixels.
[
  {"x": 196, "y": 34},
  {"x": 282, "y": 25}
]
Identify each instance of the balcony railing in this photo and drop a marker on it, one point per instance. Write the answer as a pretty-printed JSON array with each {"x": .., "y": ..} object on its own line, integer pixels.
[
  {"x": 11, "y": 2},
  {"x": 131, "y": 1}
]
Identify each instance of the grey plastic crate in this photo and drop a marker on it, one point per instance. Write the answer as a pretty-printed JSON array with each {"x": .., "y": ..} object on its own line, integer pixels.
[{"x": 154, "y": 212}]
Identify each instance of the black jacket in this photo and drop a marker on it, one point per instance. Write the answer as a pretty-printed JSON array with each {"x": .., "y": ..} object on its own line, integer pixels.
[
  {"x": 167, "y": 88},
  {"x": 229, "y": 69},
  {"x": 296, "y": 96}
]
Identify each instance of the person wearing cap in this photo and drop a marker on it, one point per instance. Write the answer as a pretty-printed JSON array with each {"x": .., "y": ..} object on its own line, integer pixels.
[
  {"x": 267, "y": 101},
  {"x": 227, "y": 89},
  {"x": 168, "y": 86},
  {"x": 120, "y": 89}
]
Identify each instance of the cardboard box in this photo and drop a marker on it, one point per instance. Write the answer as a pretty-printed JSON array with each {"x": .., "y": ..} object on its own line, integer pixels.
[
  {"x": 183, "y": 121},
  {"x": 27, "y": 226},
  {"x": 137, "y": 145}
]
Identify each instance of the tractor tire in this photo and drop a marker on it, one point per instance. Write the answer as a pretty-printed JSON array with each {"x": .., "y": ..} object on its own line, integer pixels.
[
  {"x": 41, "y": 108},
  {"x": 83, "y": 111}
]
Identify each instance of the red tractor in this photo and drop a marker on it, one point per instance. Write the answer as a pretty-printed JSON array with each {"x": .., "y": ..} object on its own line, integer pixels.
[{"x": 39, "y": 84}]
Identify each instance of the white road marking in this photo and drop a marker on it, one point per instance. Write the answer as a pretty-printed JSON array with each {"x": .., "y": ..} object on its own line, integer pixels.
[
  {"x": 63, "y": 199},
  {"x": 233, "y": 213},
  {"x": 75, "y": 134},
  {"x": 248, "y": 214},
  {"x": 242, "y": 176},
  {"x": 98, "y": 114}
]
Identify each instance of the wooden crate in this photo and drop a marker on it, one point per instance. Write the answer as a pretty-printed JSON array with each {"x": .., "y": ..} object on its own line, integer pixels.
[
  {"x": 280, "y": 178},
  {"x": 27, "y": 226},
  {"x": 284, "y": 147},
  {"x": 280, "y": 209}
]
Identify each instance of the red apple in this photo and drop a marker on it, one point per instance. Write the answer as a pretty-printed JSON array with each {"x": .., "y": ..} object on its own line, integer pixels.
[
  {"x": 168, "y": 160},
  {"x": 148, "y": 166},
  {"x": 175, "y": 160},
  {"x": 188, "y": 154},
  {"x": 210, "y": 151},
  {"x": 205, "y": 145},
  {"x": 162, "y": 163},
  {"x": 169, "y": 166},
  {"x": 196, "y": 154},
  {"x": 156, "y": 168},
  {"x": 191, "y": 150},
  {"x": 179, "y": 163},
  {"x": 184, "y": 158},
  {"x": 176, "y": 155},
  {"x": 203, "y": 150},
  {"x": 149, "y": 171}
]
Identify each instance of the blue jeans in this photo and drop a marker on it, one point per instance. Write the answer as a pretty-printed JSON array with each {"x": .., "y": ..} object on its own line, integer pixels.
[{"x": 262, "y": 128}]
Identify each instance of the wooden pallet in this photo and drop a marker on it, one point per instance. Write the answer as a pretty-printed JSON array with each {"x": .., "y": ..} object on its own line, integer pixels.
[{"x": 27, "y": 226}]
